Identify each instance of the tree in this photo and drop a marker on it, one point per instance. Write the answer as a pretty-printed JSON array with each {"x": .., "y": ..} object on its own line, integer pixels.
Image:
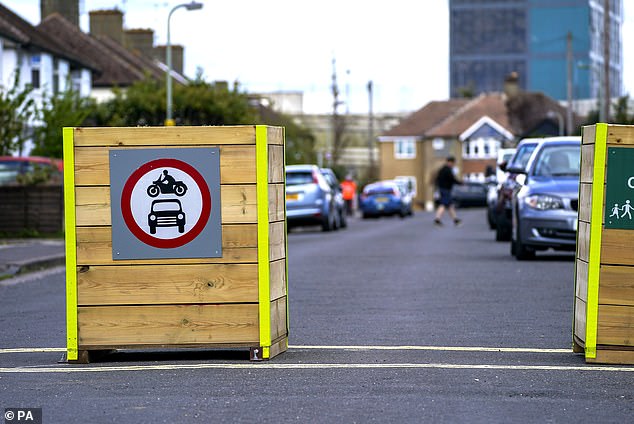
[
  {"x": 67, "y": 109},
  {"x": 16, "y": 111},
  {"x": 621, "y": 111},
  {"x": 198, "y": 103}
]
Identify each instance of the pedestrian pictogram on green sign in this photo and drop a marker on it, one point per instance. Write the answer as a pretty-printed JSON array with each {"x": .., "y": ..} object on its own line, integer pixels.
[{"x": 619, "y": 190}]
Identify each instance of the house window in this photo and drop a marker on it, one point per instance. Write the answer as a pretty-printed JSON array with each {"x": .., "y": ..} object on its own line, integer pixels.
[
  {"x": 55, "y": 76},
  {"x": 404, "y": 149},
  {"x": 35, "y": 70}
]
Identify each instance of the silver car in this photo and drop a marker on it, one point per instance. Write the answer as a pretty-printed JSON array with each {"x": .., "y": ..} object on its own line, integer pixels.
[{"x": 546, "y": 199}]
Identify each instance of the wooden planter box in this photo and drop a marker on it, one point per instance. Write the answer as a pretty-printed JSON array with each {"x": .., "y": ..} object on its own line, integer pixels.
[
  {"x": 236, "y": 300},
  {"x": 604, "y": 272}
]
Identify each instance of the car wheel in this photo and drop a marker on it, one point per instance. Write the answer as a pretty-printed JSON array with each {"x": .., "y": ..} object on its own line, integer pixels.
[
  {"x": 502, "y": 233},
  {"x": 519, "y": 249},
  {"x": 491, "y": 219},
  {"x": 365, "y": 215},
  {"x": 343, "y": 222},
  {"x": 328, "y": 223}
]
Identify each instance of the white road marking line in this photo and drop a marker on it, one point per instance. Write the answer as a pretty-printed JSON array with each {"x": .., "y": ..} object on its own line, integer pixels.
[
  {"x": 277, "y": 366},
  {"x": 440, "y": 348},
  {"x": 357, "y": 347},
  {"x": 33, "y": 349}
]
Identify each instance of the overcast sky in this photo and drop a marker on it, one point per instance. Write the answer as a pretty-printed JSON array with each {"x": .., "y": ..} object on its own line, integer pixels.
[{"x": 402, "y": 45}]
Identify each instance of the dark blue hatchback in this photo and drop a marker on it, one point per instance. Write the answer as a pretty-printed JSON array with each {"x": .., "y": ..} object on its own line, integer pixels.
[{"x": 383, "y": 198}]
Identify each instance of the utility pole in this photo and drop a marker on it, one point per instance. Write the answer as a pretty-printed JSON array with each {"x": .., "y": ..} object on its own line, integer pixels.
[
  {"x": 605, "y": 112},
  {"x": 569, "y": 56},
  {"x": 371, "y": 172},
  {"x": 337, "y": 123}
]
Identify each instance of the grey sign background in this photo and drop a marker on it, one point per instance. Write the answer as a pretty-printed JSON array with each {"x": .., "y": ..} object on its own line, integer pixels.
[{"x": 125, "y": 245}]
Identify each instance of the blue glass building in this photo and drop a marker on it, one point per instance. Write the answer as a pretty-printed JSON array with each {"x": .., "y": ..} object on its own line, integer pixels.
[{"x": 491, "y": 38}]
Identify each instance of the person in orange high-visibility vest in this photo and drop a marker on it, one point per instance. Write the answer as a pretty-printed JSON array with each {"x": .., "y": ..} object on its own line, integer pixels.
[{"x": 349, "y": 191}]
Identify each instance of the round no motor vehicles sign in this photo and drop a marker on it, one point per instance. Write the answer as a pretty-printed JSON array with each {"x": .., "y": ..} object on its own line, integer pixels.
[{"x": 165, "y": 203}]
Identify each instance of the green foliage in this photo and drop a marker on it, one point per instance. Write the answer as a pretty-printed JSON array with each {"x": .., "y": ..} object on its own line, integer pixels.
[
  {"x": 16, "y": 109},
  {"x": 198, "y": 103},
  {"x": 621, "y": 112},
  {"x": 39, "y": 175},
  {"x": 67, "y": 109}
]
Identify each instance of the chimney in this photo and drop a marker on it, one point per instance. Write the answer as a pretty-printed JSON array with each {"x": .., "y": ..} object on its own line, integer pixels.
[
  {"x": 177, "y": 56},
  {"x": 512, "y": 84},
  {"x": 141, "y": 41},
  {"x": 107, "y": 22},
  {"x": 69, "y": 9}
]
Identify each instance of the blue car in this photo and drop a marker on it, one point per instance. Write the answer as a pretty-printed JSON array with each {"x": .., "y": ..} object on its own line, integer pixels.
[
  {"x": 546, "y": 199},
  {"x": 310, "y": 200},
  {"x": 383, "y": 198}
]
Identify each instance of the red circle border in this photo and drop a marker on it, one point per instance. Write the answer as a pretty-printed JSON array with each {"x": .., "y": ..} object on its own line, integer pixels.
[{"x": 126, "y": 209}]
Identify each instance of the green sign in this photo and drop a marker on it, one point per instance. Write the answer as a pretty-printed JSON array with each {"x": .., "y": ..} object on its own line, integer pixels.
[{"x": 619, "y": 190}]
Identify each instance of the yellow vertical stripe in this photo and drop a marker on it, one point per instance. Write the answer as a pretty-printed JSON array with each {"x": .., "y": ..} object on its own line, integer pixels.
[
  {"x": 262, "y": 187},
  {"x": 596, "y": 228},
  {"x": 71, "y": 244}
]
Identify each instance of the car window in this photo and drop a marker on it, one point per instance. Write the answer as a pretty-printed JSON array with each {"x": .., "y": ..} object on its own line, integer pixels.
[
  {"x": 166, "y": 206},
  {"x": 554, "y": 161},
  {"x": 380, "y": 190},
  {"x": 297, "y": 178},
  {"x": 9, "y": 171},
  {"x": 523, "y": 154}
]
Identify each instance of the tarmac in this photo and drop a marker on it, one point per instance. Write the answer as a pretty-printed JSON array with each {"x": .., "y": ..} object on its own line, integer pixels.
[{"x": 19, "y": 256}]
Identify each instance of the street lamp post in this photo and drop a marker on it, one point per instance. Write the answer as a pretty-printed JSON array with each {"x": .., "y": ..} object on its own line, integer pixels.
[{"x": 169, "y": 121}]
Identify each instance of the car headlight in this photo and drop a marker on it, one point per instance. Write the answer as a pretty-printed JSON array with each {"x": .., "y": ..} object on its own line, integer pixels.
[{"x": 544, "y": 202}]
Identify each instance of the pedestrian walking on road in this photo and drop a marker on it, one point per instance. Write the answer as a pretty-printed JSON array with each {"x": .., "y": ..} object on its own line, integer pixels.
[
  {"x": 349, "y": 191},
  {"x": 445, "y": 180}
]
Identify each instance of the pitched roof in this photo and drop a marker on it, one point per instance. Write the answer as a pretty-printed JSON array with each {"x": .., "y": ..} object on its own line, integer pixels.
[
  {"x": 14, "y": 27},
  {"x": 520, "y": 114},
  {"x": 491, "y": 105},
  {"x": 117, "y": 65},
  {"x": 421, "y": 121}
]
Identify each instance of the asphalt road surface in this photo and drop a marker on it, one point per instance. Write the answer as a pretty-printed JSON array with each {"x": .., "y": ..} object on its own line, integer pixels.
[{"x": 391, "y": 320}]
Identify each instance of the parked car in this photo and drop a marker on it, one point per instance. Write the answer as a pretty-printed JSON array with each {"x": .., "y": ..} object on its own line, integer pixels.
[
  {"x": 332, "y": 180},
  {"x": 405, "y": 187},
  {"x": 502, "y": 211},
  {"x": 309, "y": 198},
  {"x": 383, "y": 198},
  {"x": 504, "y": 156},
  {"x": 469, "y": 193},
  {"x": 11, "y": 167},
  {"x": 546, "y": 200}
]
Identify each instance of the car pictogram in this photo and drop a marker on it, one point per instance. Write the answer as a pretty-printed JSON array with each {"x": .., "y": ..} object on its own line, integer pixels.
[{"x": 166, "y": 213}]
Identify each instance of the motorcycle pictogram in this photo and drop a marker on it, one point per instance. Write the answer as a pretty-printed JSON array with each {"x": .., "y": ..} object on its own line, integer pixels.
[{"x": 166, "y": 184}]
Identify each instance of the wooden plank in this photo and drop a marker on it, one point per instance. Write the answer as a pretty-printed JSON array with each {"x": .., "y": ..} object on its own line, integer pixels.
[
  {"x": 167, "y": 284},
  {"x": 587, "y": 163},
  {"x": 588, "y": 134},
  {"x": 277, "y": 241},
  {"x": 583, "y": 241},
  {"x": 277, "y": 286},
  {"x": 92, "y": 206},
  {"x": 585, "y": 202},
  {"x": 616, "y": 325},
  {"x": 238, "y": 204},
  {"x": 275, "y": 135},
  {"x": 163, "y": 136},
  {"x": 277, "y": 202},
  {"x": 276, "y": 164},
  {"x": 239, "y": 245},
  {"x": 580, "y": 319},
  {"x": 581, "y": 283},
  {"x": 278, "y": 318},
  {"x": 612, "y": 356},
  {"x": 617, "y": 247},
  {"x": 167, "y": 325},
  {"x": 237, "y": 165},
  {"x": 278, "y": 347},
  {"x": 620, "y": 135},
  {"x": 616, "y": 285}
]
